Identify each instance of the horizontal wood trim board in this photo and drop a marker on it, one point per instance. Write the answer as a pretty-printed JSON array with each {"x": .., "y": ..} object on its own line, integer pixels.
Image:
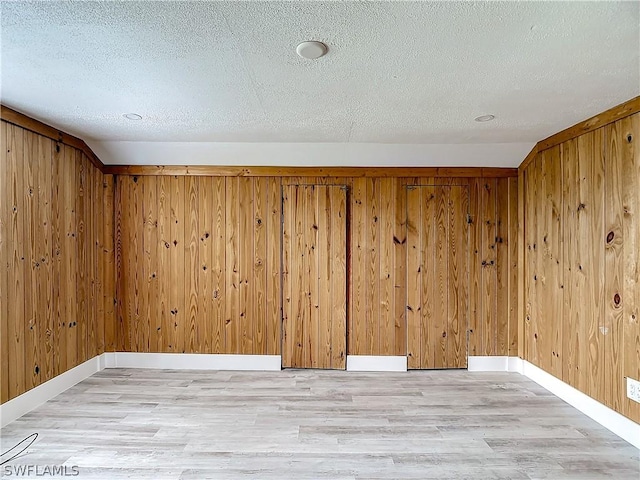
[
  {"x": 21, "y": 120},
  {"x": 608, "y": 116},
  {"x": 268, "y": 171}
]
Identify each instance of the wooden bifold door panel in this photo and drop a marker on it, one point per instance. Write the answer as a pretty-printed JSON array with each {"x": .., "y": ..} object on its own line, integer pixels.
[
  {"x": 314, "y": 276},
  {"x": 437, "y": 276}
]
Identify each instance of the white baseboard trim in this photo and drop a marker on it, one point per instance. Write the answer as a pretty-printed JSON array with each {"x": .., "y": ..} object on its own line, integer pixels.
[
  {"x": 374, "y": 363},
  {"x": 515, "y": 364},
  {"x": 192, "y": 361},
  {"x": 608, "y": 418},
  {"x": 23, "y": 404},
  {"x": 488, "y": 364},
  {"x": 494, "y": 364}
]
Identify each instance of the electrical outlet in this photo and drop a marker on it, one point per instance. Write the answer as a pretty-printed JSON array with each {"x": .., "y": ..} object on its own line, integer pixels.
[{"x": 633, "y": 389}]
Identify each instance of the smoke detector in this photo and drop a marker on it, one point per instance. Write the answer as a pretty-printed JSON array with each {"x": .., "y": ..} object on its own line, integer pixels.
[{"x": 311, "y": 50}]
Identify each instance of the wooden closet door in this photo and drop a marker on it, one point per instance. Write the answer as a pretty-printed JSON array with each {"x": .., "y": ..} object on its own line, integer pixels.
[
  {"x": 438, "y": 276},
  {"x": 314, "y": 289}
]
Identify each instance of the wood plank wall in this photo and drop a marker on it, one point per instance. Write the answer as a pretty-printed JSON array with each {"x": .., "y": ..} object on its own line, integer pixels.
[
  {"x": 227, "y": 229},
  {"x": 314, "y": 273},
  {"x": 56, "y": 251},
  {"x": 198, "y": 262},
  {"x": 438, "y": 280},
  {"x": 582, "y": 265}
]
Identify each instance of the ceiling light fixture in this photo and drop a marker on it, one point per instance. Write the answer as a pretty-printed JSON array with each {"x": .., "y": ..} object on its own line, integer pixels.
[
  {"x": 485, "y": 118},
  {"x": 132, "y": 116},
  {"x": 311, "y": 50}
]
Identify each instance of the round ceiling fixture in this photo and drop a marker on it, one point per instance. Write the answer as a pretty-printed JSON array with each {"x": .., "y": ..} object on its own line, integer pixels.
[
  {"x": 485, "y": 118},
  {"x": 132, "y": 116},
  {"x": 311, "y": 50}
]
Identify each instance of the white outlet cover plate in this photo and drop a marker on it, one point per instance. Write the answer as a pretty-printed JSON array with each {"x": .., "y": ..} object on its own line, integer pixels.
[{"x": 633, "y": 389}]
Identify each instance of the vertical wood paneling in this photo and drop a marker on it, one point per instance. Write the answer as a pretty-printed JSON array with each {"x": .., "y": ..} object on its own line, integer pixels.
[
  {"x": 151, "y": 254},
  {"x": 387, "y": 274},
  {"x": 5, "y": 239},
  {"x": 273, "y": 286},
  {"x": 372, "y": 266},
  {"x": 400, "y": 271},
  {"x": 532, "y": 265},
  {"x": 337, "y": 218},
  {"x": 219, "y": 287},
  {"x": 204, "y": 320},
  {"x": 16, "y": 273},
  {"x": 59, "y": 334},
  {"x": 358, "y": 306},
  {"x": 438, "y": 282},
  {"x": 43, "y": 257},
  {"x": 628, "y": 134},
  {"x": 177, "y": 300},
  {"x": 581, "y": 202},
  {"x": 457, "y": 346},
  {"x": 476, "y": 327},
  {"x": 324, "y": 278},
  {"x": 502, "y": 266},
  {"x": 108, "y": 262},
  {"x": 80, "y": 240},
  {"x": 550, "y": 248},
  {"x": 488, "y": 297},
  {"x": 70, "y": 261},
  {"x": 32, "y": 315},
  {"x": 50, "y": 242},
  {"x": 163, "y": 303},
  {"x": 315, "y": 310},
  {"x": 438, "y": 323},
  {"x": 232, "y": 281},
  {"x": 511, "y": 239},
  {"x": 612, "y": 326},
  {"x": 245, "y": 324},
  {"x": 193, "y": 269},
  {"x": 258, "y": 271},
  {"x": 414, "y": 278},
  {"x": 94, "y": 215},
  {"x": 245, "y": 263},
  {"x": 590, "y": 265},
  {"x": 313, "y": 258},
  {"x": 288, "y": 273}
]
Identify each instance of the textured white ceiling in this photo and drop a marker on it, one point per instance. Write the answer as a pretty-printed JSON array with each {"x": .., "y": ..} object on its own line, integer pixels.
[{"x": 396, "y": 72}]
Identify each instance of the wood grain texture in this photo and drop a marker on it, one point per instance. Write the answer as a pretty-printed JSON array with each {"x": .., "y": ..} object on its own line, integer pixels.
[
  {"x": 438, "y": 276},
  {"x": 489, "y": 267},
  {"x": 5, "y": 208},
  {"x": 551, "y": 252},
  {"x": 301, "y": 172},
  {"x": 51, "y": 313},
  {"x": 214, "y": 234},
  {"x": 503, "y": 267},
  {"x": 581, "y": 279},
  {"x": 314, "y": 310},
  {"x": 242, "y": 289},
  {"x": 613, "y": 240},
  {"x": 41, "y": 129},
  {"x": 16, "y": 278},
  {"x": 108, "y": 271},
  {"x": 628, "y": 134},
  {"x": 512, "y": 240}
]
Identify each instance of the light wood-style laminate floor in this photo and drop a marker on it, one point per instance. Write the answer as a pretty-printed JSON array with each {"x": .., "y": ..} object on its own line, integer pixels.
[{"x": 306, "y": 424}]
